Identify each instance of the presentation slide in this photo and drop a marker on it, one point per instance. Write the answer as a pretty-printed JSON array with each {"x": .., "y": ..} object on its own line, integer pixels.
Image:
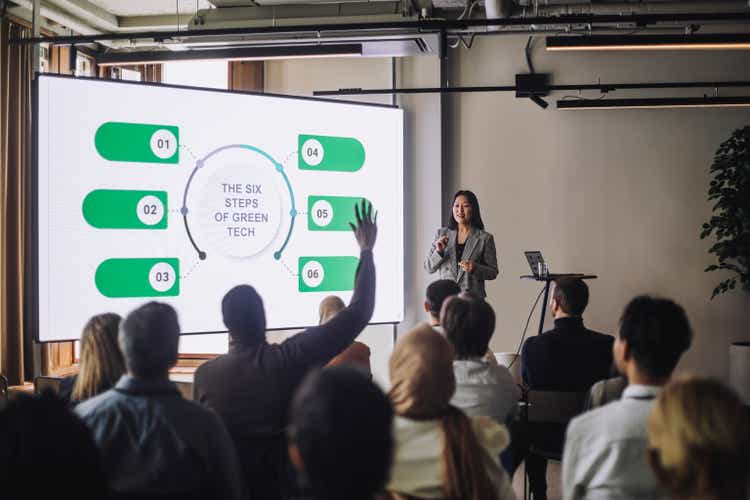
[{"x": 150, "y": 192}]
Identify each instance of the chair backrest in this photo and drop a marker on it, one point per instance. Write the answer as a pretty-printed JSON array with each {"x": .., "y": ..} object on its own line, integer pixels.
[
  {"x": 3, "y": 388},
  {"x": 554, "y": 406},
  {"x": 47, "y": 384}
]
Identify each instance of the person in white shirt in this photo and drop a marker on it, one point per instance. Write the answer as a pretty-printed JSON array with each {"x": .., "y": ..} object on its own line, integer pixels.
[
  {"x": 483, "y": 389},
  {"x": 440, "y": 452},
  {"x": 605, "y": 454},
  {"x": 437, "y": 296}
]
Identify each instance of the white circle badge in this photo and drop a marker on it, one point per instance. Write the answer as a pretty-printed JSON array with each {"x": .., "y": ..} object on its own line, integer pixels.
[
  {"x": 313, "y": 274},
  {"x": 150, "y": 210},
  {"x": 322, "y": 213},
  {"x": 162, "y": 277},
  {"x": 163, "y": 144},
  {"x": 312, "y": 152}
]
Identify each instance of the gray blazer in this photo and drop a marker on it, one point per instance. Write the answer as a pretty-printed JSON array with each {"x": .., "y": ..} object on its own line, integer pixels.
[{"x": 480, "y": 248}]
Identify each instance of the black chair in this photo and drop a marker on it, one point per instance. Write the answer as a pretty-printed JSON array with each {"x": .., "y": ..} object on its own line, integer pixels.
[
  {"x": 550, "y": 407},
  {"x": 3, "y": 388},
  {"x": 47, "y": 384}
]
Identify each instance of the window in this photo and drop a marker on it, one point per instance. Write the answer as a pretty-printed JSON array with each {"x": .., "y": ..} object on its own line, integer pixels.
[
  {"x": 210, "y": 74},
  {"x": 130, "y": 75},
  {"x": 84, "y": 65}
]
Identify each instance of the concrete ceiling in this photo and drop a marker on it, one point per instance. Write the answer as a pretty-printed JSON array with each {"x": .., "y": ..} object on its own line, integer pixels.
[{"x": 132, "y": 8}]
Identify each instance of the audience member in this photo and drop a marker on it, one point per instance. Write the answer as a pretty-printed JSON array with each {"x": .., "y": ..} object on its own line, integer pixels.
[
  {"x": 340, "y": 435},
  {"x": 357, "y": 354},
  {"x": 568, "y": 358},
  {"x": 440, "y": 452},
  {"x": 482, "y": 388},
  {"x": 251, "y": 387},
  {"x": 101, "y": 363},
  {"x": 153, "y": 442},
  {"x": 699, "y": 441},
  {"x": 437, "y": 296},
  {"x": 45, "y": 448},
  {"x": 606, "y": 391},
  {"x": 436, "y": 293},
  {"x": 605, "y": 449}
]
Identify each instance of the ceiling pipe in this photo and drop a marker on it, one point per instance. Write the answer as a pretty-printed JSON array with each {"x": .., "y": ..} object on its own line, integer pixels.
[
  {"x": 497, "y": 9},
  {"x": 431, "y": 25},
  {"x": 553, "y": 8}
]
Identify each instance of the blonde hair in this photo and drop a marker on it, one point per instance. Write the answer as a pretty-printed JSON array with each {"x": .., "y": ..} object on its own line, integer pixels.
[
  {"x": 699, "y": 440},
  {"x": 102, "y": 363},
  {"x": 330, "y": 307},
  {"x": 423, "y": 383}
]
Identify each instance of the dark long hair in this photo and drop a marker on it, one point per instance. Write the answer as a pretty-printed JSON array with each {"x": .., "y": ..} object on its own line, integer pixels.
[{"x": 476, "y": 214}]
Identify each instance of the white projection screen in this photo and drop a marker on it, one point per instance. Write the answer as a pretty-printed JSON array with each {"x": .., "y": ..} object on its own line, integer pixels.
[{"x": 151, "y": 192}]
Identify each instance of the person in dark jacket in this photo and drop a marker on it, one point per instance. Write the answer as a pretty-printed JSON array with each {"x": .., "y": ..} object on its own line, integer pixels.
[
  {"x": 341, "y": 435},
  {"x": 568, "y": 358},
  {"x": 251, "y": 386},
  {"x": 154, "y": 443}
]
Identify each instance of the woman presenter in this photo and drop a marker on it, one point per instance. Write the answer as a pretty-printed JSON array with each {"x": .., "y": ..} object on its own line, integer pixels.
[{"x": 464, "y": 252}]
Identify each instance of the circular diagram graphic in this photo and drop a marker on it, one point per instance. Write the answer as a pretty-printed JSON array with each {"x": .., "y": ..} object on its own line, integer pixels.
[{"x": 235, "y": 204}]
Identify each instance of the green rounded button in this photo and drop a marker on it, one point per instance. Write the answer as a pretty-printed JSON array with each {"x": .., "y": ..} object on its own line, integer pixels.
[
  {"x": 126, "y": 209},
  {"x": 327, "y": 153},
  {"x": 327, "y": 274},
  {"x": 138, "y": 142},
  {"x": 117, "y": 278},
  {"x": 331, "y": 213}
]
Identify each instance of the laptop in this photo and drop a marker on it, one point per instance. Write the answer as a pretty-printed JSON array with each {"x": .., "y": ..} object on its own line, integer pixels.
[{"x": 536, "y": 263}]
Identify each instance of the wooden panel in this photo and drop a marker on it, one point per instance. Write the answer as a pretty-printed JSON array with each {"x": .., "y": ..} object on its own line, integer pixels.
[
  {"x": 246, "y": 76},
  {"x": 57, "y": 357}
]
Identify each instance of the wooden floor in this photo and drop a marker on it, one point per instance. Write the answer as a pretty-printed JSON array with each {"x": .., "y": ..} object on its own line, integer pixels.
[{"x": 554, "y": 483}]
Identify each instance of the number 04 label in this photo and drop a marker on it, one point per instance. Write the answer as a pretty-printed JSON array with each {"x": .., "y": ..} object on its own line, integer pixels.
[{"x": 312, "y": 152}]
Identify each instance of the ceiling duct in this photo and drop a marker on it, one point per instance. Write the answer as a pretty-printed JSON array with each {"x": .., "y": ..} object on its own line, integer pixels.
[{"x": 374, "y": 44}]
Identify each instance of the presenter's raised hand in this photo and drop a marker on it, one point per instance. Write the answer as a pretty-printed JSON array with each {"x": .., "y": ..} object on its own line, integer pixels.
[
  {"x": 441, "y": 243},
  {"x": 366, "y": 230}
]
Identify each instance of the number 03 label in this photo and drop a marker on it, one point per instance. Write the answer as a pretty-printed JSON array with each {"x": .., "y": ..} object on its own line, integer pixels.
[{"x": 162, "y": 277}]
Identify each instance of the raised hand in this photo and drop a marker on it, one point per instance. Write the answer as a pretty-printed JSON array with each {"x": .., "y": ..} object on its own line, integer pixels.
[
  {"x": 441, "y": 243},
  {"x": 366, "y": 229}
]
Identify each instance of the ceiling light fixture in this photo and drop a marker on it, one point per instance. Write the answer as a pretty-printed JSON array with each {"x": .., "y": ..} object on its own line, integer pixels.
[
  {"x": 656, "y": 103},
  {"x": 234, "y": 54},
  {"x": 740, "y": 41}
]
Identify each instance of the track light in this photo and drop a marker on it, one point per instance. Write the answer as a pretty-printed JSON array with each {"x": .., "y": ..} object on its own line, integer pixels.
[
  {"x": 539, "y": 101},
  {"x": 660, "y": 103},
  {"x": 740, "y": 41}
]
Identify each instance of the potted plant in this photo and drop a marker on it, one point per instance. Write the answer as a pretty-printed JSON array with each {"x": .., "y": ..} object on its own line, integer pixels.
[{"x": 730, "y": 225}]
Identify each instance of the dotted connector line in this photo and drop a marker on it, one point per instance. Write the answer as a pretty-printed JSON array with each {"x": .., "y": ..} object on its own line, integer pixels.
[
  {"x": 190, "y": 271},
  {"x": 190, "y": 151},
  {"x": 291, "y": 271},
  {"x": 289, "y": 157}
]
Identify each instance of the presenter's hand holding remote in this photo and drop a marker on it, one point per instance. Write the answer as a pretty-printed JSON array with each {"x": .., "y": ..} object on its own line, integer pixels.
[
  {"x": 467, "y": 265},
  {"x": 366, "y": 230}
]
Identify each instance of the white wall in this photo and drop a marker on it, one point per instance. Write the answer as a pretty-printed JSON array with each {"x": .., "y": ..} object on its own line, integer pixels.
[{"x": 618, "y": 193}]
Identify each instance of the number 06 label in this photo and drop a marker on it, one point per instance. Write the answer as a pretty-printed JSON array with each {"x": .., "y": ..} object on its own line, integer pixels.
[{"x": 313, "y": 274}]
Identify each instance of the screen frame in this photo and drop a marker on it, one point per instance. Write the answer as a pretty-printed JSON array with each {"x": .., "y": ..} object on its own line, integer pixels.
[{"x": 31, "y": 229}]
